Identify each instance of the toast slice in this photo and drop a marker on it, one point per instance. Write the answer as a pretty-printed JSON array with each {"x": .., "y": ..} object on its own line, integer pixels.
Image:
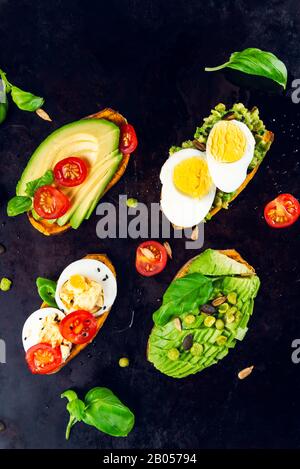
[
  {"x": 232, "y": 253},
  {"x": 76, "y": 349},
  {"x": 49, "y": 229}
]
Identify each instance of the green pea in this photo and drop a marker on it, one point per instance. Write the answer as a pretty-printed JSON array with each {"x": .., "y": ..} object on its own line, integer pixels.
[
  {"x": 5, "y": 284},
  {"x": 231, "y": 298},
  {"x": 197, "y": 349},
  {"x": 220, "y": 324},
  {"x": 189, "y": 319},
  {"x": 132, "y": 203},
  {"x": 209, "y": 321},
  {"x": 173, "y": 354},
  {"x": 123, "y": 362},
  {"x": 223, "y": 308},
  {"x": 221, "y": 340}
]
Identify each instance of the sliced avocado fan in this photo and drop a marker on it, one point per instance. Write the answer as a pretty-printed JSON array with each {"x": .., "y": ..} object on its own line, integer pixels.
[{"x": 191, "y": 342}]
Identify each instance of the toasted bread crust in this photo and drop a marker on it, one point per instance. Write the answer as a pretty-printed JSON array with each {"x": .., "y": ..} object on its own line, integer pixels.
[
  {"x": 76, "y": 349},
  {"x": 49, "y": 229}
]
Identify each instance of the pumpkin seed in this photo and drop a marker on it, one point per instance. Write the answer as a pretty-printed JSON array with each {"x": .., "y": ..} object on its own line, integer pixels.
[
  {"x": 43, "y": 115},
  {"x": 177, "y": 324},
  {"x": 147, "y": 253},
  {"x": 195, "y": 233},
  {"x": 188, "y": 342},
  {"x": 2, "y": 426},
  {"x": 208, "y": 309},
  {"x": 245, "y": 372},
  {"x": 168, "y": 249},
  {"x": 2, "y": 249},
  {"x": 229, "y": 116},
  {"x": 199, "y": 145},
  {"x": 219, "y": 301}
]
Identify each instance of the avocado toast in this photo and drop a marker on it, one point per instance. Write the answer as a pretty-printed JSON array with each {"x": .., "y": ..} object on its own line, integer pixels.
[
  {"x": 95, "y": 138},
  {"x": 205, "y": 310},
  {"x": 237, "y": 174}
]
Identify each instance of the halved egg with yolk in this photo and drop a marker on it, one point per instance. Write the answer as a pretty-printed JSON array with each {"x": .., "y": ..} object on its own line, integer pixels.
[
  {"x": 229, "y": 149},
  {"x": 188, "y": 190}
]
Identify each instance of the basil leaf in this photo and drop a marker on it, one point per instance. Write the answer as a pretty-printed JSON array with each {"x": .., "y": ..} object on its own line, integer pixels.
[
  {"x": 100, "y": 409},
  {"x": 183, "y": 294},
  {"x": 44, "y": 180},
  {"x": 25, "y": 100},
  {"x": 18, "y": 204},
  {"x": 75, "y": 408},
  {"x": 256, "y": 62},
  {"x": 107, "y": 413},
  {"x": 46, "y": 290}
]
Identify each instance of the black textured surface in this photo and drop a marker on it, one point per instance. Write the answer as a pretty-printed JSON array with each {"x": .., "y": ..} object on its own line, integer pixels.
[{"x": 146, "y": 59}]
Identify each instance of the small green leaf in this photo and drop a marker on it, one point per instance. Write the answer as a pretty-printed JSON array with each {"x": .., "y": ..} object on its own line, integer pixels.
[
  {"x": 184, "y": 294},
  {"x": 76, "y": 409},
  {"x": 255, "y": 61},
  {"x": 44, "y": 180},
  {"x": 26, "y": 101},
  {"x": 46, "y": 290},
  {"x": 18, "y": 204}
]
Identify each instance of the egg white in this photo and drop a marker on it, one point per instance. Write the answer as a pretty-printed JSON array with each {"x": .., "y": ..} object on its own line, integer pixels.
[
  {"x": 93, "y": 270},
  {"x": 180, "y": 209},
  {"x": 34, "y": 323},
  {"x": 229, "y": 176}
]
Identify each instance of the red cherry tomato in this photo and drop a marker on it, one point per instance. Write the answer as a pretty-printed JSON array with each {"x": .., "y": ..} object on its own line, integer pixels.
[
  {"x": 282, "y": 211},
  {"x": 50, "y": 203},
  {"x": 70, "y": 171},
  {"x": 43, "y": 359},
  {"x": 78, "y": 327},
  {"x": 151, "y": 258},
  {"x": 128, "y": 139}
]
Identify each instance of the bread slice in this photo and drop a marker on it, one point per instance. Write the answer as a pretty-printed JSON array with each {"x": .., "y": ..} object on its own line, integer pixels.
[
  {"x": 232, "y": 253},
  {"x": 49, "y": 229},
  {"x": 268, "y": 137},
  {"x": 100, "y": 319}
]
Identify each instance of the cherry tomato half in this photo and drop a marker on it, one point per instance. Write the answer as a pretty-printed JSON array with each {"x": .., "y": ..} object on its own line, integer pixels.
[
  {"x": 70, "y": 171},
  {"x": 282, "y": 211},
  {"x": 42, "y": 358},
  {"x": 78, "y": 327},
  {"x": 128, "y": 139},
  {"x": 50, "y": 203},
  {"x": 151, "y": 258}
]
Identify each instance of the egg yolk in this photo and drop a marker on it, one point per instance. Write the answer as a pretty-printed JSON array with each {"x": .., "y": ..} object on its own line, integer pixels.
[
  {"x": 192, "y": 177},
  {"x": 227, "y": 142},
  {"x": 78, "y": 282}
]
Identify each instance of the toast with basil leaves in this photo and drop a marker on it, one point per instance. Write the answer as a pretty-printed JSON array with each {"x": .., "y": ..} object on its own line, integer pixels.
[{"x": 204, "y": 312}]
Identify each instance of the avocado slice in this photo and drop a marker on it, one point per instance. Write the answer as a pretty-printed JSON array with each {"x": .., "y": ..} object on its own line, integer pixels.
[
  {"x": 94, "y": 140},
  {"x": 95, "y": 194}
]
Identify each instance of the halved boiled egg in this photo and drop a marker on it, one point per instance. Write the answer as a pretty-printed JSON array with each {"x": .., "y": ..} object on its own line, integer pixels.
[
  {"x": 86, "y": 284},
  {"x": 42, "y": 326},
  {"x": 188, "y": 190},
  {"x": 229, "y": 150}
]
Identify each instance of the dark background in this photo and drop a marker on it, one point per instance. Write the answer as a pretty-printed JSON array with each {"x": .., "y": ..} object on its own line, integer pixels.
[{"x": 146, "y": 59}]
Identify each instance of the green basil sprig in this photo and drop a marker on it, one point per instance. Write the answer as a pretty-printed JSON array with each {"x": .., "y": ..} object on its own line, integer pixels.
[
  {"x": 46, "y": 289},
  {"x": 25, "y": 100},
  {"x": 255, "y": 61},
  {"x": 44, "y": 180},
  {"x": 101, "y": 409},
  {"x": 18, "y": 204},
  {"x": 183, "y": 294},
  {"x": 22, "y": 203}
]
